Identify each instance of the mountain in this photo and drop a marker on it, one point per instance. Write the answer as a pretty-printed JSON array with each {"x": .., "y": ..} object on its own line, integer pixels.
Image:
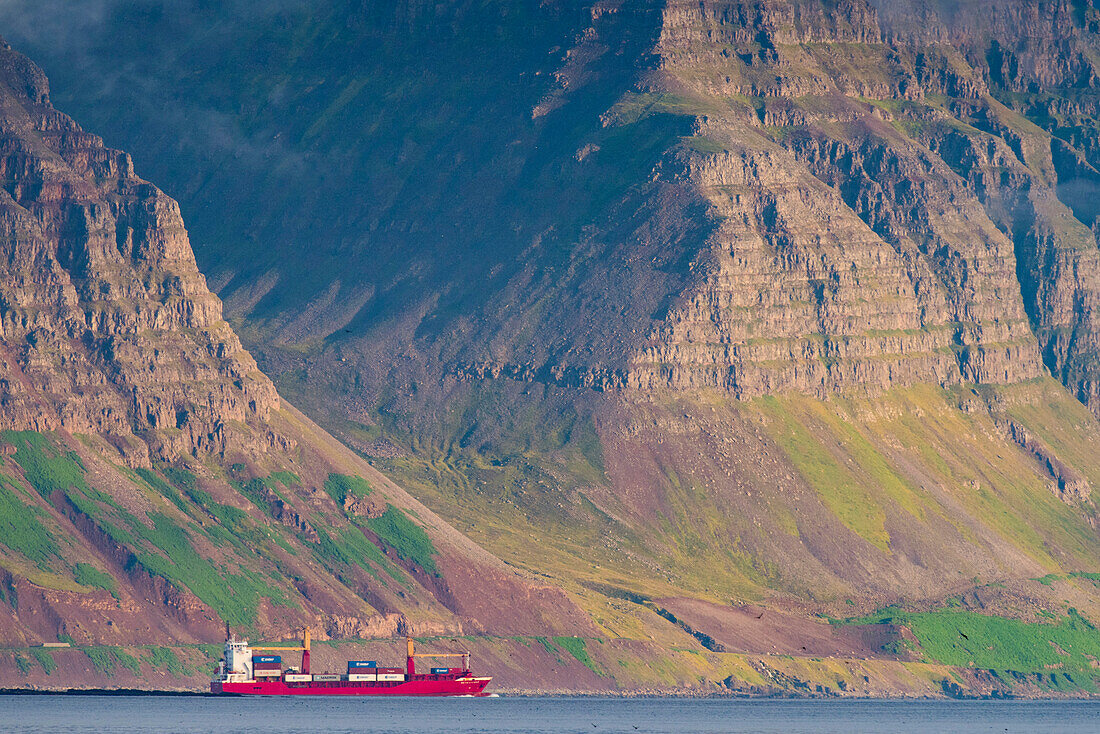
[
  {"x": 153, "y": 485},
  {"x": 698, "y": 311}
]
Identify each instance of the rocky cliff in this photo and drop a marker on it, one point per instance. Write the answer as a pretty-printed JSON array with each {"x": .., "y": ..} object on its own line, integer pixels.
[
  {"x": 913, "y": 202},
  {"x": 106, "y": 323}
]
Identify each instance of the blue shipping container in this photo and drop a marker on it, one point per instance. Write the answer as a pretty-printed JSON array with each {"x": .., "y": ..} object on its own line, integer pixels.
[
  {"x": 362, "y": 664},
  {"x": 267, "y": 658},
  {"x": 439, "y": 671}
]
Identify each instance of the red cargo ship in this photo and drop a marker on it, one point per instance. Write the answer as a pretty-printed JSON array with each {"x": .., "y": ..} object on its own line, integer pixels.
[{"x": 243, "y": 672}]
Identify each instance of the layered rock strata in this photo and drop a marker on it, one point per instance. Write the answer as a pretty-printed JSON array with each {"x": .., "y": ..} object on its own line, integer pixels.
[
  {"x": 849, "y": 254},
  {"x": 849, "y": 245},
  {"x": 880, "y": 217},
  {"x": 106, "y": 324},
  {"x": 916, "y": 207}
]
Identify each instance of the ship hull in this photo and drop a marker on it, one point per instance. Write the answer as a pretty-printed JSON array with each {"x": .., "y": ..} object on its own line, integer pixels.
[{"x": 426, "y": 686}]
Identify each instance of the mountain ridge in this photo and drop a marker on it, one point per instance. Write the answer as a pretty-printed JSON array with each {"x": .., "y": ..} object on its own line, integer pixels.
[{"x": 154, "y": 486}]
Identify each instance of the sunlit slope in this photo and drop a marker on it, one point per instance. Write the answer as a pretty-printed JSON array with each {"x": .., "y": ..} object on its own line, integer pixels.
[
  {"x": 914, "y": 495},
  {"x": 98, "y": 552}
]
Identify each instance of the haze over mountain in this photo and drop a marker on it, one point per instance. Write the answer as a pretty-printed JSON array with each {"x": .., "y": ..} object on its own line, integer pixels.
[
  {"x": 682, "y": 305},
  {"x": 154, "y": 487}
]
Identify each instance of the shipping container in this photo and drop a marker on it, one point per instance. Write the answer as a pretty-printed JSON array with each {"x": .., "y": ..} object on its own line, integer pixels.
[
  {"x": 362, "y": 664},
  {"x": 389, "y": 677},
  {"x": 271, "y": 673},
  {"x": 391, "y": 670},
  {"x": 362, "y": 677},
  {"x": 441, "y": 671},
  {"x": 267, "y": 658},
  {"x": 298, "y": 677},
  {"x": 326, "y": 677}
]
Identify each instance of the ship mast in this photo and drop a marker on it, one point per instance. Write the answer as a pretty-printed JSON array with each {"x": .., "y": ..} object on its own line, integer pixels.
[
  {"x": 410, "y": 664},
  {"x": 304, "y": 647}
]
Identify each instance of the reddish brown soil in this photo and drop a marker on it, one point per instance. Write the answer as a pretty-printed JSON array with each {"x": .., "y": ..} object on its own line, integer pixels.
[{"x": 759, "y": 630}]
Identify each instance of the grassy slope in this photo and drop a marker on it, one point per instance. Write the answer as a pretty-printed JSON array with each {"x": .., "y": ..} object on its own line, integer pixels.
[
  {"x": 1058, "y": 654},
  {"x": 918, "y": 485},
  {"x": 614, "y": 568},
  {"x": 232, "y": 560},
  {"x": 517, "y": 663},
  {"x": 877, "y": 466},
  {"x": 214, "y": 537}
]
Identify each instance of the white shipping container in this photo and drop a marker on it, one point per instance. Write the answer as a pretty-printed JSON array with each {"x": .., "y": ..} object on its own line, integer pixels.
[
  {"x": 298, "y": 677},
  {"x": 362, "y": 677},
  {"x": 391, "y": 676},
  {"x": 326, "y": 677},
  {"x": 269, "y": 672}
]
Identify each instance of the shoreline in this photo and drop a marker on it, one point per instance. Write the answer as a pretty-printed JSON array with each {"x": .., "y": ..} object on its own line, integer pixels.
[
  {"x": 671, "y": 695},
  {"x": 102, "y": 692}
]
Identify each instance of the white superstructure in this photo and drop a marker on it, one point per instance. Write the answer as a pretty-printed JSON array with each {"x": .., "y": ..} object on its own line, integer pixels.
[{"x": 236, "y": 665}]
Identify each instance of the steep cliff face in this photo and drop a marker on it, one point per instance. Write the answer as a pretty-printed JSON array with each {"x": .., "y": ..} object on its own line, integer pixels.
[
  {"x": 106, "y": 322},
  {"x": 932, "y": 149},
  {"x": 1048, "y": 76},
  {"x": 849, "y": 253}
]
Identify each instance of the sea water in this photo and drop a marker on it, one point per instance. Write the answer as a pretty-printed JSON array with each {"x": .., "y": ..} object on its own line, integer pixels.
[{"x": 69, "y": 714}]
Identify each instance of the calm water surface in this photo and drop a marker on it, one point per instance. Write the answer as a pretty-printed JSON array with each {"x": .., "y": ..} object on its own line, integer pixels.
[{"x": 191, "y": 715}]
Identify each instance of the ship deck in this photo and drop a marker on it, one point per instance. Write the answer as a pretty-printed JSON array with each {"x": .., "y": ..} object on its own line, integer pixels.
[{"x": 417, "y": 685}]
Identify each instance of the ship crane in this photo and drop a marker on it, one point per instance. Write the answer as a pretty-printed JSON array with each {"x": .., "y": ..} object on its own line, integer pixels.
[
  {"x": 411, "y": 664},
  {"x": 304, "y": 648},
  {"x": 243, "y": 673}
]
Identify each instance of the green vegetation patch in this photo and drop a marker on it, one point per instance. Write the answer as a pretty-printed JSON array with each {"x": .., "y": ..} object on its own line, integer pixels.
[
  {"x": 233, "y": 596},
  {"x": 576, "y": 647},
  {"x": 166, "y": 548},
  {"x": 45, "y": 659},
  {"x": 23, "y": 664},
  {"x": 967, "y": 639},
  {"x": 1088, "y": 576},
  {"x": 634, "y": 107},
  {"x": 286, "y": 478},
  {"x": 88, "y": 575},
  {"x": 341, "y": 486},
  {"x": 260, "y": 489},
  {"x": 351, "y": 548},
  {"x": 21, "y": 530},
  {"x": 234, "y": 526},
  {"x": 406, "y": 538},
  {"x": 182, "y": 478},
  {"x": 47, "y": 469},
  {"x": 170, "y": 493},
  {"x": 548, "y": 646},
  {"x": 164, "y": 658},
  {"x": 127, "y": 660},
  {"x": 836, "y": 486},
  {"x": 106, "y": 658},
  {"x": 102, "y": 660},
  {"x": 229, "y": 517}
]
